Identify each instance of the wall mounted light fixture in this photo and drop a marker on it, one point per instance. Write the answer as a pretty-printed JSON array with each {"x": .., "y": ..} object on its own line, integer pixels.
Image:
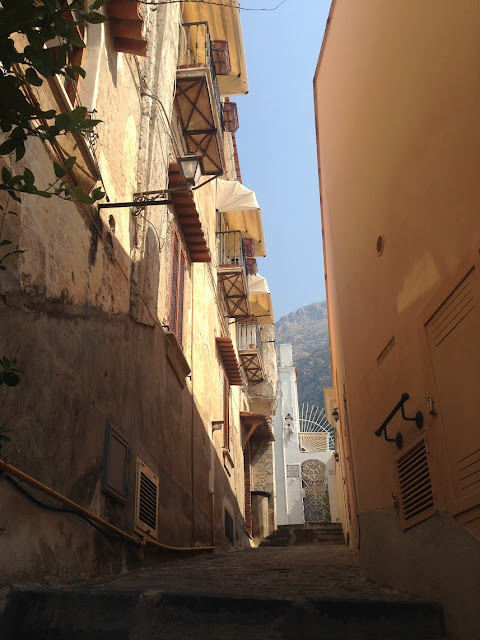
[
  {"x": 288, "y": 420},
  {"x": 335, "y": 414}
]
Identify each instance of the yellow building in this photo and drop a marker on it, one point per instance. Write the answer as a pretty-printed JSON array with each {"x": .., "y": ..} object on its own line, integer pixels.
[
  {"x": 398, "y": 135},
  {"x": 147, "y": 394}
]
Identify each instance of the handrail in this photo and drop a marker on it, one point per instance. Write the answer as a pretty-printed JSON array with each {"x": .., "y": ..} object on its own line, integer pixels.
[
  {"x": 418, "y": 419},
  {"x": 249, "y": 333},
  {"x": 230, "y": 249},
  {"x": 6, "y": 468}
]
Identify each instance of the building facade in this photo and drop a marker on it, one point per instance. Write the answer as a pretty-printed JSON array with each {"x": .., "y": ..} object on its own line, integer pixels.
[
  {"x": 146, "y": 395},
  {"x": 305, "y": 466},
  {"x": 398, "y": 150}
]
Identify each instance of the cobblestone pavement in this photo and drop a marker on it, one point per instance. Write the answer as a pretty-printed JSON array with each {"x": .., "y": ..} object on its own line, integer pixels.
[{"x": 327, "y": 571}]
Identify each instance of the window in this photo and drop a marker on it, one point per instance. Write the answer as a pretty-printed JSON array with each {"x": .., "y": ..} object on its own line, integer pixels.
[
  {"x": 177, "y": 286},
  {"x": 226, "y": 413}
]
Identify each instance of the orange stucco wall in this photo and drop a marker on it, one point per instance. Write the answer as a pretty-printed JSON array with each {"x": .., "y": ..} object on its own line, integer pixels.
[{"x": 398, "y": 134}]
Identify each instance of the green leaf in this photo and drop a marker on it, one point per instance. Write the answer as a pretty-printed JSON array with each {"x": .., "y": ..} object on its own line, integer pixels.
[
  {"x": 8, "y": 146},
  {"x": 28, "y": 177},
  {"x": 62, "y": 121},
  {"x": 20, "y": 151},
  {"x": 81, "y": 196},
  {"x": 69, "y": 162},
  {"x": 97, "y": 194},
  {"x": 95, "y": 18},
  {"x": 78, "y": 115},
  {"x": 89, "y": 124},
  {"x": 11, "y": 379},
  {"x": 97, "y": 4},
  {"x": 74, "y": 39},
  {"x": 59, "y": 171},
  {"x": 79, "y": 71},
  {"x": 6, "y": 175},
  {"x": 2, "y": 268},
  {"x": 4, "y": 242},
  {"x": 5, "y": 438},
  {"x": 32, "y": 77},
  {"x": 48, "y": 115}
]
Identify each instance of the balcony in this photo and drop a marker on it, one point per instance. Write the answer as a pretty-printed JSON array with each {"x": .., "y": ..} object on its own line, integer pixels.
[
  {"x": 232, "y": 274},
  {"x": 249, "y": 346},
  {"x": 197, "y": 97}
]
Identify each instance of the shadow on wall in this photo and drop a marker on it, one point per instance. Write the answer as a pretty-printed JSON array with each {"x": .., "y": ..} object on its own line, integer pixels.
[{"x": 83, "y": 367}]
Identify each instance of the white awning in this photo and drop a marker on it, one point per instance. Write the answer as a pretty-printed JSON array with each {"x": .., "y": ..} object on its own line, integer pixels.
[
  {"x": 242, "y": 213},
  {"x": 260, "y": 299}
]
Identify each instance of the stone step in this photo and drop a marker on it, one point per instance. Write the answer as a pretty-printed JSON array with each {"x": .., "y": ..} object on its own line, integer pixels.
[
  {"x": 306, "y": 534},
  {"x": 130, "y": 614}
]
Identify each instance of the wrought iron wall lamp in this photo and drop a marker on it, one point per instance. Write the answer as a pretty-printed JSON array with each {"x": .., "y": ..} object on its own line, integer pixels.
[
  {"x": 336, "y": 415},
  {"x": 288, "y": 421},
  {"x": 418, "y": 419},
  {"x": 191, "y": 168}
]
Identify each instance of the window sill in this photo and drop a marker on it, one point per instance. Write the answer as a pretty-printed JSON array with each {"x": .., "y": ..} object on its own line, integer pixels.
[{"x": 176, "y": 358}]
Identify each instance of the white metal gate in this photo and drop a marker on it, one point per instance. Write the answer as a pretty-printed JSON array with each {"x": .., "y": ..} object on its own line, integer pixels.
[{"x": 316, "y": 505}]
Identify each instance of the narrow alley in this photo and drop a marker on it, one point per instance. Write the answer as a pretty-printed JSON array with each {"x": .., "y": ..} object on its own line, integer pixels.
[{"x": 300, "y": 590}]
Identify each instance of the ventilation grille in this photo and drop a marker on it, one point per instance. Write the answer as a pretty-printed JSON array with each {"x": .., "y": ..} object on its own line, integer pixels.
[
  {"x": 453, "y": 311},
  {"x": 468, "y": 472},
  {"x": 313, "y": 442},
  {"x": 146, "y": 504},
  {"x": 415, "y": 486}
]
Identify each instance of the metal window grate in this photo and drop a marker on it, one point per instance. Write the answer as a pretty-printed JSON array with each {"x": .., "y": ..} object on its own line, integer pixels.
[
  {"x": 415, "y": 485},
  {"x": 146, "y": 504}
]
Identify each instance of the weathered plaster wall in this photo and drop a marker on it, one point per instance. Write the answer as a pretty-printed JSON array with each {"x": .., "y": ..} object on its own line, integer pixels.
[{"x": 82, "y": 311}]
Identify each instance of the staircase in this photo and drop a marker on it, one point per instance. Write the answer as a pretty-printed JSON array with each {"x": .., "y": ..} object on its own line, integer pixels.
[
  {"x": 314, "y": 592},
  {"x": 305, "y": 534}
]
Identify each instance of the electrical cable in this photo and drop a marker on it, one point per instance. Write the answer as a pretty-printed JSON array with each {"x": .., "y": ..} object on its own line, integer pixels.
[{"x": 207, "y": 2}]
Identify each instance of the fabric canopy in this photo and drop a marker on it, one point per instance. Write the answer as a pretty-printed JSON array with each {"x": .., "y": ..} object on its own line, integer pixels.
[
  {"x": 242, "y": 213},
  {"x": 260, "y": 299}
]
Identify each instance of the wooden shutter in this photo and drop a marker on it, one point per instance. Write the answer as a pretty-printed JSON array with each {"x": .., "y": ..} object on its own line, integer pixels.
[
  {"x": 226, "y": 413},
  {"x": 174, "y": 286},
  {"x": 146, "y": 502},
  {"x": 177, "y": 289},
  {"x": 453, "y": 334},
  {"x": 180, "y": 298},
  {"x": 116, "y": 458}
]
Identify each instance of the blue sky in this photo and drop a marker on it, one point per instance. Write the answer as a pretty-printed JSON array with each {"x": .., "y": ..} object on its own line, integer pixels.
[{"x": 276, "y": 144}]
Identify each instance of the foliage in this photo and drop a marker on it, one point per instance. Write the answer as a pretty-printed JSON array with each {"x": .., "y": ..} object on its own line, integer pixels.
[
  {"x": 8, "y": 372},
  {"x": 26, "y": 26}
]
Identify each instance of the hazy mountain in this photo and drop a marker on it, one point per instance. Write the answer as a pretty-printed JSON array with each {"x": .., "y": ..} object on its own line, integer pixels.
[{"x": 307, "y": 330}]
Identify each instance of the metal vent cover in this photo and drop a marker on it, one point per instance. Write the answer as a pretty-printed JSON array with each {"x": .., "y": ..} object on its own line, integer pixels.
[
  {"x": 146, "y": 501},
  {"x": 415, "y": 486}
]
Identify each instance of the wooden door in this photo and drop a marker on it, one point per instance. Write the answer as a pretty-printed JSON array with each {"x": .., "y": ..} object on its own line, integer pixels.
[{"x": 453, "y": 334}]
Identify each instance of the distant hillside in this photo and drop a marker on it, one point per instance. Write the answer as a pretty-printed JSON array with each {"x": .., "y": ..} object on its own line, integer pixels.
[{"x": 307, "y": 330}]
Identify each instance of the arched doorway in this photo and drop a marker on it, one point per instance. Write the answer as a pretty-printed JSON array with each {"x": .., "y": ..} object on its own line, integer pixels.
[{"x": 316, "y": 505}]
